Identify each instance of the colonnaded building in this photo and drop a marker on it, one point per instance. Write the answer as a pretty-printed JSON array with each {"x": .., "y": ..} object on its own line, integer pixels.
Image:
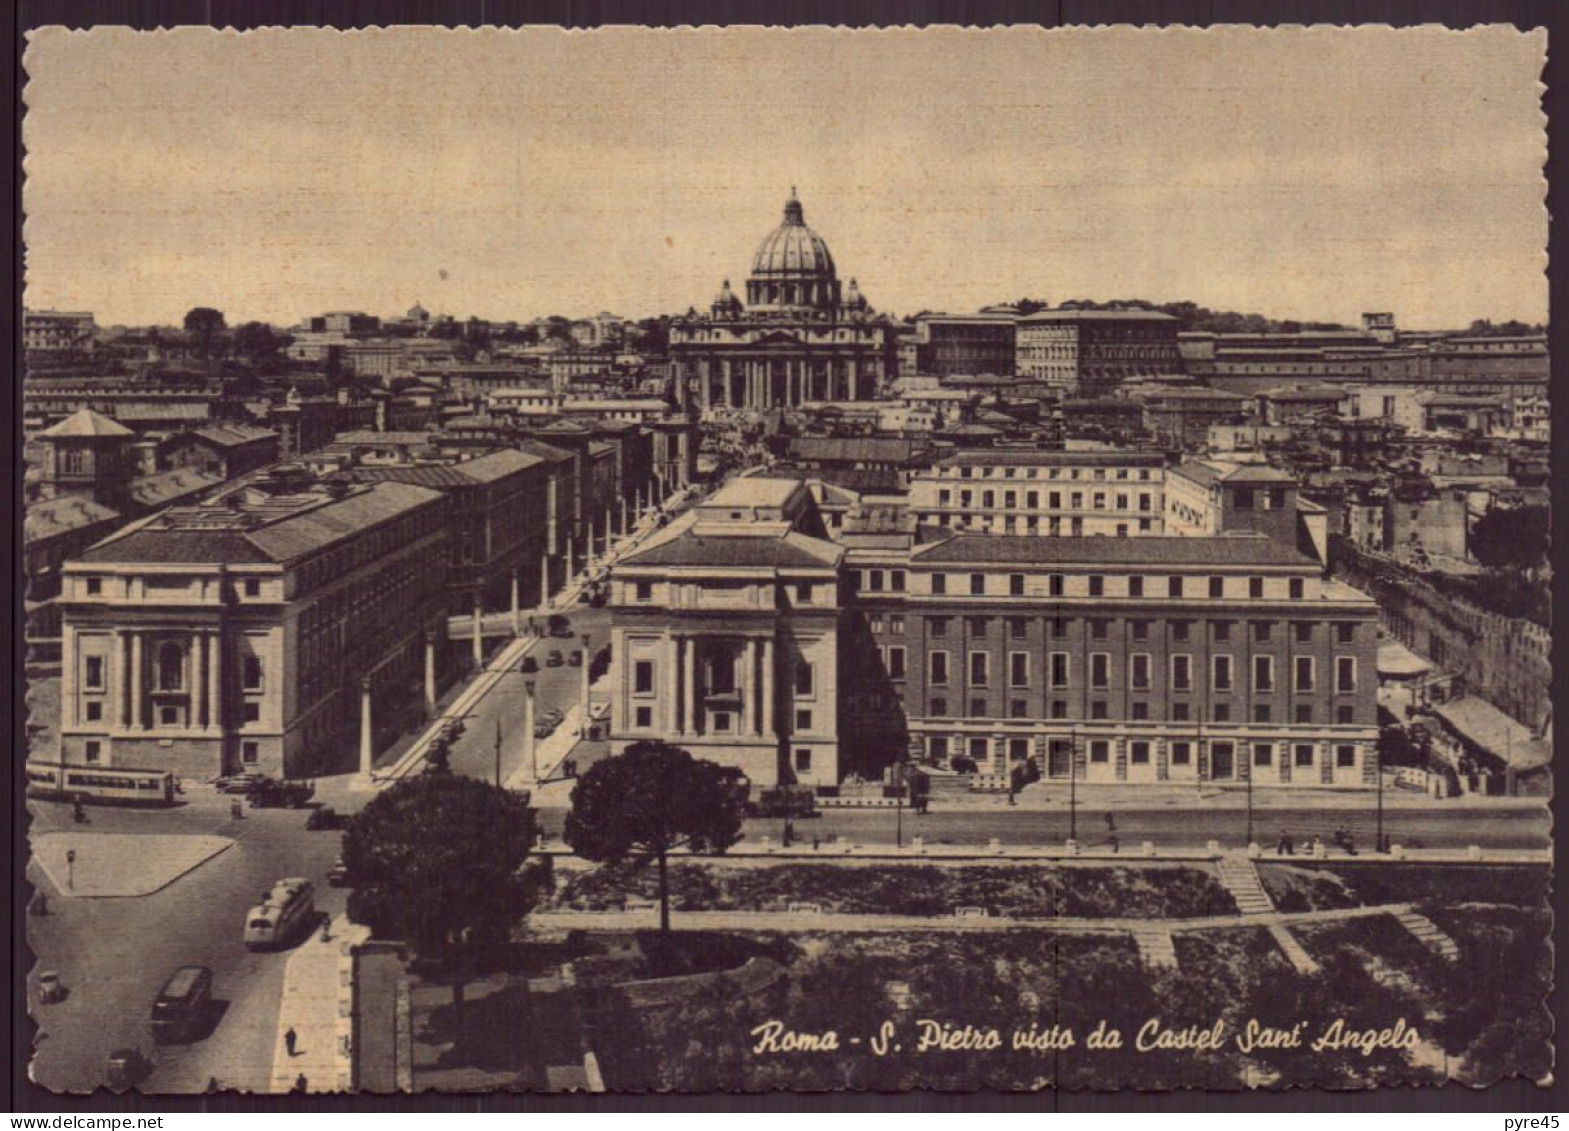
[
  {"x": 751, "y": 637},
  {"x": 800, "y": 336}
]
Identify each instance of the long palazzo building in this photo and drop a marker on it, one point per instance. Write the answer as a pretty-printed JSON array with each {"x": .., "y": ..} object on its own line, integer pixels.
[
  {"x": 800, "y": 336},
  {"x": 751, "y": 638}
]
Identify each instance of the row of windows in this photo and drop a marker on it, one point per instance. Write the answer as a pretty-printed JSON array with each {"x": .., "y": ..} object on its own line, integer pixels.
[
  {"x": 721, "y": 677},
  {"x": 1132, "y": 585},
  {"x": 1262, "y": 631},
  {"x": 1098, "y": 751},
  {"x": 169, "y": 670},
  {"x": 1094, "y": 474},
  {"x": 1099, "y": 500},
  {"x": 1302, "y": 714},
  {"x": 1139, "y": 668}
]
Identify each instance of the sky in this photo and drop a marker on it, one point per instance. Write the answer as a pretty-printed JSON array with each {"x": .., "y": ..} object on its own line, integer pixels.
[{"x": 1299, "y": 173}]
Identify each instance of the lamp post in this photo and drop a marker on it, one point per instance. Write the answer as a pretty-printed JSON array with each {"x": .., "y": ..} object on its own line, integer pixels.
[
  {"x": 1247, "y": 764},
  {"x": 898, "y": 787},
  {"x": 1378, "y": 771},
  {"x": 498, "y": 751},
  {"x": 1073, "y": 793},
  {"x": 583, "y": 715},
  {"x": 70, "y": 868},
  {"x": 528, "y": 728}
]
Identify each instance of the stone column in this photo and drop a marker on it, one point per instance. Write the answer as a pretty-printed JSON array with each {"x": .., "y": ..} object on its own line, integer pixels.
[
  {"x": 689, "y": 689},
  {"x": 136, "y": 681},
  {"x": 430, "y": 674},
  {"x": 120, "y": 679},
  {"x": 367, "y": 735},
  {"x": 517, "y": 582},
  {"x": 570, "y": 570},
  {"x": 198, "y": 680},
  {"x": 476, "y": 634},
  {"x": 215, "y": 682},
  {"x": 583, "y": 712},
  {"x": 544, "y": 580},
  {"x": 769, "y": 694},
  {"x": 672, "y": 678},
  {"x": 745, "y": 666}
]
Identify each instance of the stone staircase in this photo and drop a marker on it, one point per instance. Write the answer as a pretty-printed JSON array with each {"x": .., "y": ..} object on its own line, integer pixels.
[
  {"x": 1155, "y": 947},
  {"x": 1293, "y": 950},
  {"x": 1428, "y": 934},
  {"x": 1240, "y": 878}
]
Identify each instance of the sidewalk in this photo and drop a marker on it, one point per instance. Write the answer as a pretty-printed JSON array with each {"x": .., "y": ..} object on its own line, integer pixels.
[
  {"x": 1056, "y": 795},
  {"x": 318, "y": 1004}
]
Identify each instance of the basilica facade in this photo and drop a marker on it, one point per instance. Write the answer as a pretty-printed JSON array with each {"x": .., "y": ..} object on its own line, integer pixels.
[{"x": 800, "y": 336}]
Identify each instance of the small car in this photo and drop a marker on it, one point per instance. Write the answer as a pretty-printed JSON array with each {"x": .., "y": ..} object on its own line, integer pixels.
[
  {"x": 324, "y": 817},
  {"x": 270, "y": 794},
  {"x": 576, "y": 658},
  {"x": 239, "y": 783},
  {"x": 529, "y": 665},
  {"x": 338, "y": 874},
  {"x": 50, "y": 988},
  {"x": 559, "y": 625},
  {"x": 126, "y": 1068},
  {"x": 554, "y": 660}
]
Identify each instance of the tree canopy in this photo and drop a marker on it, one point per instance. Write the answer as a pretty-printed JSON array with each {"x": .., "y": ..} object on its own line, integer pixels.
[
  {"x": 204, "y": 325},
  {"x": 436, "y": 860},
  {"x": 1511, "y": 537},
  {"x": 649, "y": 800}
]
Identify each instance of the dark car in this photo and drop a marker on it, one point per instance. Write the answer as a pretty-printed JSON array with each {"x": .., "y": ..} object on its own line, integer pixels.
[
  {"x": 325, "y": 817},
  {"x": 529, "y": 665},
  {"x": 576, "y": 658},
  {"x": 559, "y": 625},
  {"x": 126, "y": 1068},
  {"x": 181, "y": 1009},
  {"x": 554, "y": 660},
  {"x": 271, "y": 794}
]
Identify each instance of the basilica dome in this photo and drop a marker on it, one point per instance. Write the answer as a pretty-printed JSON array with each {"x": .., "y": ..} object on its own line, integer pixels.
[{"x": 793, "y": 267}]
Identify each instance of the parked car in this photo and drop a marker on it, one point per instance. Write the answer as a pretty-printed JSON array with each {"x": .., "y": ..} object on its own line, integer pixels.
[
  {"x": 271, "y": 794},
  {"x": 576, "y": 658},
  {"x": 529, "y": 665},
  {"x": 338, "y": 874},
  {"x": 325, "y": 817},
  {"x": 559, "y": 625},
  {"x": 239, "y": 783},
  {"x": 554, "y": 659},
  {"x": 50, "y": 988},
  {"x": 126, "y": 1068}
]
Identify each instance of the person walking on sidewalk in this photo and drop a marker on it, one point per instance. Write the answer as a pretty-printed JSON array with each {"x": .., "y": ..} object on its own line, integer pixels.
[{"x": 290, "y": 1039}]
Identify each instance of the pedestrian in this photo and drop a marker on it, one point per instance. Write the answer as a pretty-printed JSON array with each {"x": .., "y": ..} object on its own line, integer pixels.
[
  {"x": 290, "y": 1039},
  {"x": 301, "y": 1084},
  {"x": 1115, "y": 845},
  {"x": 816, "y": 841}
]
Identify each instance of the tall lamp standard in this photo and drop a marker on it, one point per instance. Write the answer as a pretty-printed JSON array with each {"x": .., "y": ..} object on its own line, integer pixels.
[
  {"x": 1073, "y": 794},
  {"x": 1247, "y": 764},
  {"x": 898, "y": 786},
  {"x": 1378, "y": 770},
  {"x": 528, "y": 728},
  {"x": 583, "y": 715}
]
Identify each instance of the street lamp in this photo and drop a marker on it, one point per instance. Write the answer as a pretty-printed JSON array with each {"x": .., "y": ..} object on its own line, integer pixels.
[
  {"x": 583, "y": 716},
  {"x": 1247, "y": 764},
  {"x": 898, "y": 786},
  {"x": 1073, "y": 794},
  {"x": 1378, "y": 772},
  {"x": 528, "y": 727}
]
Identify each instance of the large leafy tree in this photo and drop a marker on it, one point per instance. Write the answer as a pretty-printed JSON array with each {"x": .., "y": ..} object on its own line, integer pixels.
[
  {"x": 204, "y": 326},
  {"x": 258, "y": 342},
  {"x": 1514, "y": 538},
  {"x": 438, "y": 860},
  {"x": 648, "y": 801}
]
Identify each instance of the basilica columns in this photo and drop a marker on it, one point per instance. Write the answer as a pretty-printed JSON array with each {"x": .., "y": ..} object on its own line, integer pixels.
[
  {"x": 138, "y": 690},
  {"x": 367, "y": 738},
  {"x": 689, "y": 685},
  {"x": 198, "y": 680},
  {"x": 768, "y": 688}
]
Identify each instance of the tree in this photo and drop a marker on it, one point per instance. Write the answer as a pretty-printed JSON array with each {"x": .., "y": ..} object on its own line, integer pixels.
[
  {"x": 437, "y": 860},
  {"x": 648, "y": 801},
  {"x": 204, "y": 325},
  {"x": 256, "y": 342},
  {"x": 1513, "y": 538}
]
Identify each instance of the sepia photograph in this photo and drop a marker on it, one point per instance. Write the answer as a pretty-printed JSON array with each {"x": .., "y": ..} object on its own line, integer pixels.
[{"x": 754, "y": 560}]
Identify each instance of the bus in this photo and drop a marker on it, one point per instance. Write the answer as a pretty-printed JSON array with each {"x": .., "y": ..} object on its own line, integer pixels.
[
  {"x": 181, "y": 1010},
  {"x": 109, "y": 785},
  {"x": 281, "y": 914}
]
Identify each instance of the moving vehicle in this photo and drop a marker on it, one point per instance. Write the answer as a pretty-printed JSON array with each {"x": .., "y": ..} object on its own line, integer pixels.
[
  {"x": 283, "y": 914},
  {"x": 554, "y": 659},
  {"x": 181, "y": 1009},
  {"x": 50, "y": 988},
  {"x": 126, "y": 1068},
  {"x": 239, "y": 783},
  {"x": 101, "y": 784},
  {"x": 272, "y": 794},
  {"x": 576, "y": 658},
  {"x": 529, "y": 665},
  {"x": 325, "y": 817},
  {"x": 559, "y": 625}
]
